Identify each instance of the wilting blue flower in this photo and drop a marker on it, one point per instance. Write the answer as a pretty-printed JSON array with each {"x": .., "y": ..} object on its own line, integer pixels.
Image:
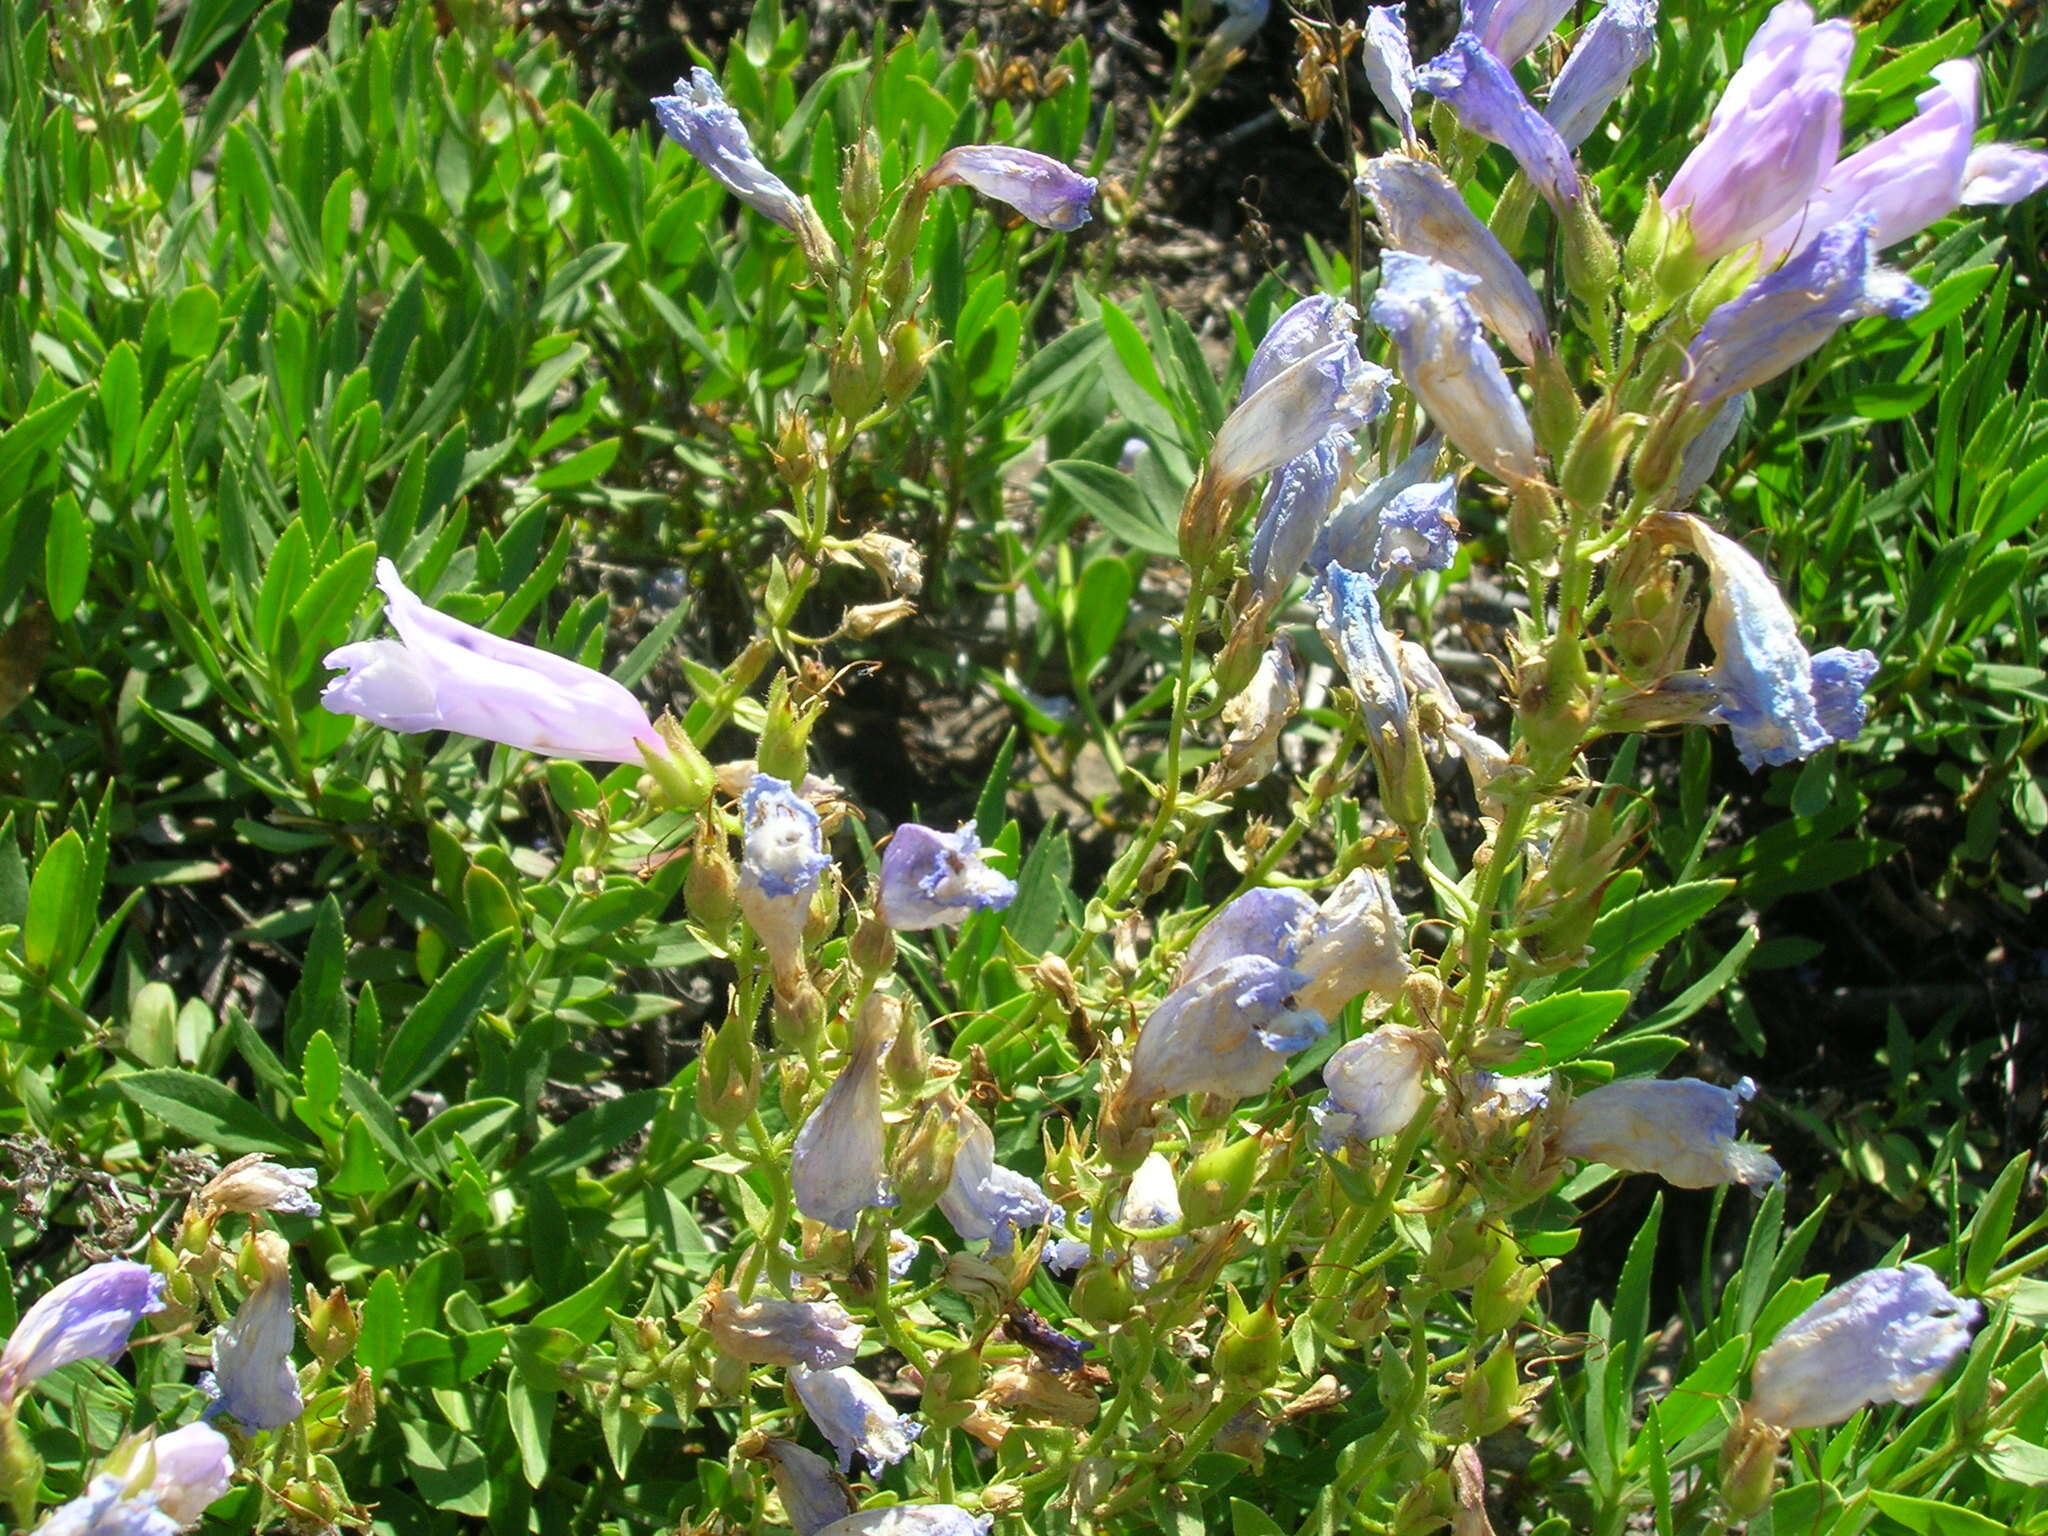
[
  {"x": 1702, "y": 455},
  {"x": 932, "y": 878},
  {"x": 255, "y": 1183},
  {"x": 2003, "y": 173},
  {"x": 1352, "y": 535},
  {"x": 1272, "y": 921},
  {"x": 1488, "y": 102},
  {"x": 1306, "y": 326},
  {"x": 1286, "y": 411},
  {"x": 1254, "y": 720},
  {"x": 252, "y": 1380},
  {"x": 1610, "y": 49},
  {"x": 106, "y": 1509},
  {"x": 1495, "y": 1103},
  {"x": 813, "y": 1495},
  {"x": 1347, "y": 611},
  {"x": 985, "y": 1199},
  {"x": 1047, "y": 192},
  {"x": 1390, "y": 67},
  {"x": 837, "y": 1169},
  {"x": 1422, "y": 213},
  {"x": 782, "y": 857},
  {"x": 1357, "y": 944},
  {"x": 1511, "y": 29},
  {"x": 851, "y": 1412},
  {"x": 1774, "y": 135},
  {"x": 1298, "y": 499},
  {"x": 1886, "y": 1336},
  {"x": 772, "y": 1331},
  {"x": 698, "y": 118},
  {"x": 1787, "y": 315},
  {"x": 194, "y": 1466},
  {"x": 1681, "y": 1129},
  {"x": 1418, "y": 530},
  {"x": 1375, "y": 1084},
  {"x": 1445, "y": 360},
  {"x": 1150, "y": 1204},
  {"x": 910, "y": 1520},
  {"x": 1839, "y": 678},
  {"x": 1769, "y": 698},
  {"x": 1227, "y": 1032},
  {"x": 87, "y": 1317},
  {"x": 1912, "y": 176}
]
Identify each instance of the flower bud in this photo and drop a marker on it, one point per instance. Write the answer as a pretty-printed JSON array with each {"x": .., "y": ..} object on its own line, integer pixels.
[
  {"x": 860, "y": 184},
  {"x": 1102, "y": 1294},
  {"x": 908, "y": 356},
  {"x": 728, "y": 1075},
  {"x": 1492, "y": 1395},
  {"x": 331, "y": 1324},
  {"x": 950, "y": 1387},
  {"x": 1215, "y": 1186},
  {"x": 1598, "y": 449},
  {"x": 923, "y": 1164},
  {"x": 680, "y": 770},
  {"x": 786, "y": 734},
  {"x": 1592, "y": 261},
  {"x": 984, "y": 1284},
  {"x": 1249, "y": 1353},
  {"x": 1748, "y": 1465},
  {"x": 799, "y": 1016},
  {"x": 854, "y": 375},
  {"x": 794, "y": 459}
]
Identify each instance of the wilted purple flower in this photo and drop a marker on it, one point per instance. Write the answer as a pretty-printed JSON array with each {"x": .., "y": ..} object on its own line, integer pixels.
[
  {"x": 1787, "y": 315},
  {"x": 851, "y": 1412},
  {"x": 1045, "y": 191},
  {"x": 87, "y": 1317},
  {"x": 1273, "y": 921},
  {"x": 1445, "y": 360},
  {"x": 782, "y": 858},
  {"x": 1839, "y": 679},
  {"x": 443, "y": 675},
  {"x": 1511, "y": 29},
  {"x": 1912, "y": 176},
  {"x": 837, "y": 1169},
  {"x": 194, "y": 1466},
  {"x": 1702, "y": 455},
  {"x": 697, "y": 118},
  {"x": 1347, "y": 611},
  {"x": 1357, "y": 945},
  {"x": 1610, "y": 49},
  {"x": 1762, "y": 673},
  {"x": 1681, "y": 1129},
  {"x": 2003, "y": 173},
  {"x": 1298, "y": 499},
  {"x": 1773, "y": 137},
  {"x": 255, "y": 1183},
  {"x": 1331, "y": 390},
  {"x": 931, "y": 878},
  {"x": 107, "y": 1509},
  {"x": 1390, "y": 66},
  {"x": 1422, "y": 213},
  {"x": 1495, "y": 1102},
  {"x": 772, "y": 1331},
  {"x": 1488, "y": 102},
  {"x": 813, "y": 1494},
  {"x": 1351, "y": 537},
  {"x": 1306, "y": 326},
  {"x": 1884, "y": 1337},
  {"x": 1255, "y": 719},
  {"x": 985, "y": 1199},
  {"x": 1376, "y": 1086},
  {"x": 1227, "y": 1032},
  {"x": 1418, "y": 530},
  {"x": 252, "y": 1380},
  {"x": 910, "y": 1520}
]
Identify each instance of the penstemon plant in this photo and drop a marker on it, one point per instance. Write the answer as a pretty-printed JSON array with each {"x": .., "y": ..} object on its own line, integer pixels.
[{"x": 1058, "y": 1207}]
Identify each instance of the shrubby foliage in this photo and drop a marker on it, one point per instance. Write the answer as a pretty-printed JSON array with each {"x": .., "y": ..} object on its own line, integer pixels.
[{"x": 562, "y": 1102}]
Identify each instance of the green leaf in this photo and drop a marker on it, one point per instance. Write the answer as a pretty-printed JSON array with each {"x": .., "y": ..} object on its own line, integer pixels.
[
  {"x": 582, "y": 1315},
  {"x": 591, "y": 1134},
  {"x": 437, "y": 1023},
  {"x": 2018, "y": 1461},
  {"x": 1626, "y": 937},
  {"x": 1559, "y": 1027},
  {"x": 447, "y": 1467},
  {"x": 1102, "y": 602},
  {"x": 1992, "y": 1225},
  {"x": 1114, "y": 500},
  {"x": 59, "y": 908},
  {"x": 1930, "y": 1518},
  {"x": 206, "y": 1109},
  {"x": 383, "y": 1326},
  {"x": 120, "y": 406}
]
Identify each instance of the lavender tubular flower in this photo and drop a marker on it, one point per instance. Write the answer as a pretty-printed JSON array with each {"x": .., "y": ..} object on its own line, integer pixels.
[
  {"x": 1240, "y": 24},
  {"x": 1511, "y": 29},
  {"x": 1445, "y": 360},
  {"x": 1420, "y": 212},
  {"x": 697, "y": 118},
  {"x": 1306, "y": 326},
  {"x": 1330, "y": 390},
  {"x": 1376, "y": 1086},
  {"x": 1702, "y": 455},
  {"x": 1273, "y": 921},
  {"x": 194, "y": 1466},
  {"x": 932, "y": 879},
  {"x": 1611, "y": 48},
  {"x": 911, "y": 1520},
  {"x": 1347, "y": 614},
  {"x": 1787, "y": 315},
  {"x": 443, "y": 675},
  {"x": 2003, "y": 173},
  {"x": 1298, "y": 499},
  {"x": 1681, "y": 1129},
  {"x": 1048, "y": 193},
  {"x": 1886, "y": 1336},
  {"x": 985, "y": 1199},
  {"x": 87, "y": 1317},
  {"x": 1418, "y": 531},
  {"x": 771, "y": 1331},
  {"x": 1839, "y": 679},
  {"x": 836, "y": 1166},
  {"x": 1488, "y": 102},
  {"x": 1351, "y": 537},
  {"x": 255, "y": 1183},
  {"x": 107, "y": 1509},
  {"x": 851, "y": 1412},
  {"x": 1227, "y": 1032},
  {"x": 1357, "y": 946},
  {"x": 1773, "y": 136},
  {"x": 813, "y": 1494},
  {"x": 252, "y": 1380},
  {"x": 1390, "y": 66},
  {"x": 782, "y": 859}
]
